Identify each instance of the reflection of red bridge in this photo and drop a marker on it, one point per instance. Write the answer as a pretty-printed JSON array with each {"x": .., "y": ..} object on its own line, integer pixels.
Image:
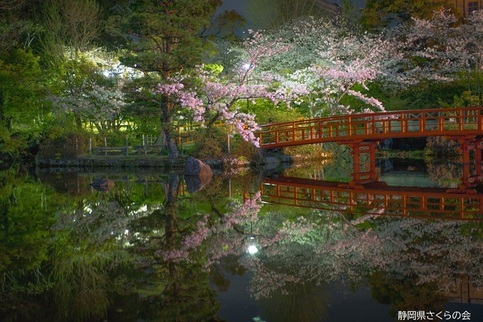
[
  {"x": 363, "y": 132},
  {"x": 373, "y": 199}
]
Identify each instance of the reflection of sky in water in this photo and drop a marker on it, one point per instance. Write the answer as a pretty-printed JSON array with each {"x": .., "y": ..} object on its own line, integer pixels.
[
  {"x": 343, "y": 304},
  {"x": 236, "y": 302},
  {"x": 408, "y": 179},
  {"x": 347, "y": 305}
]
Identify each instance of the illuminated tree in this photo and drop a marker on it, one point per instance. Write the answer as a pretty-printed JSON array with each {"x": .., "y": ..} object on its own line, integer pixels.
[
  {"x": 90, "y": 96},
  {"x": 161, "y": 38},
  {"x": 327, "y": 63},
  {"x": 69, "y": 27},
  {"x": 82, "y": 90},
  {"x": 440, "y": 49},
  {"x": 213, "y": 96}
]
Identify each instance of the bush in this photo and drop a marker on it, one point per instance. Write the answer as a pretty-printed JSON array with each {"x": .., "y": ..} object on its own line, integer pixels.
[
  {"x": 68, "y": 146},
  {"x": 242, "y": 149},
  {"x": 210, "y": 143},
  {"x": 309, "y": 152}
]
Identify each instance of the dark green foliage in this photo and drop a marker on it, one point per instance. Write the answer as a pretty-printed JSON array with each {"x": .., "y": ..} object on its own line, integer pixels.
[
  {"x": 67, "y": 146},
  {"x": 210, "y": 143},
  {"x": 243, "y": 150},
  {"x": 382, "y": 13},
  {"x": 162, "y": 36},
  {"x": 403, "y": 293},
  {"x": 21, "y": 105},
  {"x": 425, "y": 94}
]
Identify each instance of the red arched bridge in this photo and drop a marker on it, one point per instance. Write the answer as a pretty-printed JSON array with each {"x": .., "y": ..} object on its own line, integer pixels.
[
  {"x": 373, "y": 199},
  {"x": 347, "y": 129},
  {"x": 363, "y": 132}
]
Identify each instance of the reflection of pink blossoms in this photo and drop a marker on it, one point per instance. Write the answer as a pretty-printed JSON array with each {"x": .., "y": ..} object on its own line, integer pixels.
[
  {"x": 266, "y": 280},
  {"x": 222, "y": 234},
  {"x": 189, "y": 243},
  {"x": 218, "y": 234}
]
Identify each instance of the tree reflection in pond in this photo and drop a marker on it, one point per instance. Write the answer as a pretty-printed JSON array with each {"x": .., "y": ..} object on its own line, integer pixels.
[{"x": 163, "y": 254}]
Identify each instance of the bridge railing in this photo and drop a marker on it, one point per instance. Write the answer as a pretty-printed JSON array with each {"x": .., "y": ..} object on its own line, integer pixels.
[
  {"x": 389, "y": 201},
  {"x": 374, "y": 126}
]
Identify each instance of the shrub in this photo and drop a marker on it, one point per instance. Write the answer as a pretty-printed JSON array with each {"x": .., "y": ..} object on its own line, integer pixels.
[
  {"x": 68, "y": 146},
  {"x": 210, "y": 143},
  {"x": 242, "y": 149},
  {"x": 309, "y": 152}
]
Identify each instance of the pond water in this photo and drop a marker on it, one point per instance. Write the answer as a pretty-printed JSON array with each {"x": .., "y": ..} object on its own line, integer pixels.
[{"x": 297, "y": 244}]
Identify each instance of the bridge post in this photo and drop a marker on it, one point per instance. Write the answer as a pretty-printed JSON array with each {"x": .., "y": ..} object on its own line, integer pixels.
[
  {"x": 363, "y": 172},
  {"x": 472, "y": 172}
]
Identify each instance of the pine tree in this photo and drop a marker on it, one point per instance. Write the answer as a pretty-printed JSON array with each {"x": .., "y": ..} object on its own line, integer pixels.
[{"x": 162, "y": 37}]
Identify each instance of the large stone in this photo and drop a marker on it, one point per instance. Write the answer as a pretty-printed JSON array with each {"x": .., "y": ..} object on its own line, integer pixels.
[
  {"x": 103, "y": 184},
  {"x": 195, "y": 167},
  {"x": 197, "y": 174}
]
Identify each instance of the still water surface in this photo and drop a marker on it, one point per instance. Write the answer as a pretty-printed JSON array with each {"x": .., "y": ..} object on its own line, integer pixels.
[{"x": 149, "y": 248}]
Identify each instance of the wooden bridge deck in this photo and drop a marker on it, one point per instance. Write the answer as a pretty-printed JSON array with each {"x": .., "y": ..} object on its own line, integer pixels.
[{"x": 346, "y": 129}]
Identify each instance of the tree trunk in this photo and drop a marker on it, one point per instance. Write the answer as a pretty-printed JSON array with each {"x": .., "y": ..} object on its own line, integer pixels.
[
  {"x": 78, "y": 121},
  {"x": 166, "y": 121},
  {"x": 171, "y": 145},
  {"x": 171, "y": 208}
]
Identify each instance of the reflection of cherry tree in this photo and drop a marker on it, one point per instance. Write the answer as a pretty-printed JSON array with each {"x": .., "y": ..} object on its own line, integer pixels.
[
  {"x": 226, "y": 235},
  {"x": 432, "y": 251},
  {"x": 436, "y": 251},
  {"x": 324, "y": 247},
  {"x": 101, "y": 220}
]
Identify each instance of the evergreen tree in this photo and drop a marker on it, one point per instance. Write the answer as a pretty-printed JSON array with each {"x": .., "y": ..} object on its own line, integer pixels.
[{"x": 161, "y": 37}]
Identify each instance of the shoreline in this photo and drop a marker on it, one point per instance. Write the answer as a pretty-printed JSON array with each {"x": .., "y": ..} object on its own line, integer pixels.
[{"x": 119, "y": 161}]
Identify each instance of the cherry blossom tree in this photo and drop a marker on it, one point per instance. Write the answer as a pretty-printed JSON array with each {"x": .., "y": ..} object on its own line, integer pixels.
[
  {"x": 213, "y": 96},
  {"x": 441, "y": 49},
  {"x": 327, "y": 62},
  {"x": 326, "y": 67},
  {"x": 89, "y": 95},
  {"x": 309, "y": 62},
  {"x": 100, "y": 104}
]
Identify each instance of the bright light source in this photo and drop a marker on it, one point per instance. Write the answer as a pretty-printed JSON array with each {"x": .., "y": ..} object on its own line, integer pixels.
[{"x": 252, "y": 249}]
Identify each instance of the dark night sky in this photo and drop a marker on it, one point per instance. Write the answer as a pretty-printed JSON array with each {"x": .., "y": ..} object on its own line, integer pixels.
[{"x": 239, "y": 5}]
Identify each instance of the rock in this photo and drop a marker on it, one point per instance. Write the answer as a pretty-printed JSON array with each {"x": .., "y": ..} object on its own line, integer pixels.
[
  {"x": 103, "y": 184},
  {"x": 195, "y": 167},
  {"x": 197, "y": 174}
]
